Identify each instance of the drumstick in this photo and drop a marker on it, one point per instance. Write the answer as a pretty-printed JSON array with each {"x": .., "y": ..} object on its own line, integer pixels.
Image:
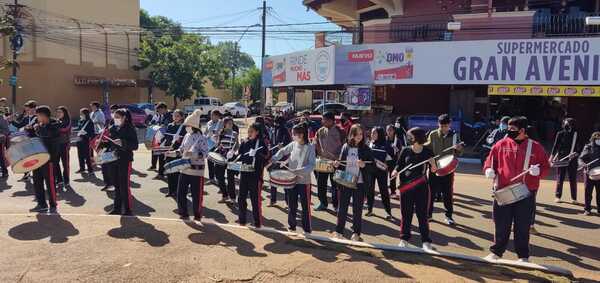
[
  {"x": 523, "y": 173},
  {"x": 367, "y": 162},
  {"x": 588, "y": 164},
  {"x": 454, "y": 146},
  {"x": 421, "y": 163},
  {"x": 400, "y": 172}
]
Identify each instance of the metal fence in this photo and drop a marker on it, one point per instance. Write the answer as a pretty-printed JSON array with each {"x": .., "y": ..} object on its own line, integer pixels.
[
  {"x": 420, "y": 32},
  {"x": 548, "y": 25}
]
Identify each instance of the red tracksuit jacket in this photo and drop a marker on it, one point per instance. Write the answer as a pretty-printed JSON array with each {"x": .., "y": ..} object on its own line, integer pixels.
[{"x": 508, "y": 159}]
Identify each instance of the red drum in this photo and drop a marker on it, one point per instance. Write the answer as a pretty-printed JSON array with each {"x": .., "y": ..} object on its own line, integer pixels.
[
  {"x": 283, "y": 179},
  {"x": 446, "y": 165}
]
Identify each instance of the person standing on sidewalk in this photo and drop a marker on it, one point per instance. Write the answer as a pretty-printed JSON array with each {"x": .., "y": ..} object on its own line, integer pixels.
[
  {"x": 329, "y": 140},
  {"x": 510, "y": 157},
  {"x": 441, "y": 141},
  {"x": 382, "y": 154},
  {"x": 590, "y": 158},
  {"x": 4, "y": 136},
  {"x": 566, "y": 148},
  {"x": 64, "y": 146}
]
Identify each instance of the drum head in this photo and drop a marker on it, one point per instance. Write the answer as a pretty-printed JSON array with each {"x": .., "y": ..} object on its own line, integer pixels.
[
  {"x": 217, "y": 157},
  {"x": 445, "y": 161},
  {"x": 30, "y": 163}
]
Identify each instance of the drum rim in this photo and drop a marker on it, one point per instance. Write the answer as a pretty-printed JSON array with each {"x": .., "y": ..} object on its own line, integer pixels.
[{"x": 43, "y": 161}]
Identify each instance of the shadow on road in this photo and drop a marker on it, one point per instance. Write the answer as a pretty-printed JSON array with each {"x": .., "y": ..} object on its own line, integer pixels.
[
  {"x": 214, "y": 235},
  {"x": 47, "y": 226},
  {"x": 133, "y": 227}
]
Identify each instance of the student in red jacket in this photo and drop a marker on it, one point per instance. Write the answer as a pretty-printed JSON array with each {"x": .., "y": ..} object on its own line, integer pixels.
[{"x": 505, "y": 162}]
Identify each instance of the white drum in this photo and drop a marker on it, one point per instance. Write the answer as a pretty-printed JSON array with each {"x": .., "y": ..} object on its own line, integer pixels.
[
  {"x": 511, "y": 194},
  {"x": 27, "y": 155},
  {"x": 594, "y": 173},
  {"x": 217, "y": 158},
  {"x": 105, "y": 157},
  {"x": 177, "y": 166}
]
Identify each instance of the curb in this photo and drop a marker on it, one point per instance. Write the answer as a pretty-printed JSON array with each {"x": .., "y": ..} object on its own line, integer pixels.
[{"x": 384, "y": 247}]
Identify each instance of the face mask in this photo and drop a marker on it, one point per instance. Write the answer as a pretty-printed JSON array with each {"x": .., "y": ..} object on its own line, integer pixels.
[
  {"x": 503, "y": 127},
  {"x": 597, "y": 142},
  {"x": 189, "y": 129},
  {"x": 118, "y": 122},
  {"x": 568, "y": 127},
  {"x": 82, "y": 117},
  {"x": 513, "y": 134},
  {"x": 397, "y": 125},
  {"x": 112, "y": 115}
]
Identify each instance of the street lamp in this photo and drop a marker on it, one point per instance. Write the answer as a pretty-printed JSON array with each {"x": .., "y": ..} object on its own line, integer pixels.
[
  {"x": 454, "y": 26},
  {"x": 592, "y": 21}
]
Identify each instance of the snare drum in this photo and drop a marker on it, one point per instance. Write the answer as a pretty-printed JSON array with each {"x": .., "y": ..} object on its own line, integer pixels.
[
  {"x": 594, "y": 174},
  {"x": 153, "y": 136},
  {"x": 381, "y": 165},
  {"x": 446, "y": 165},
  {"x": 240, "y": 167},
  {"x": 511, "y": 194},
  {"x": 105, "y": 157},
  {"x": 177, "y": 166},
  {"x": 323, "y": 165},
  {"x": 217, "y": 158},
  {"x": 345, "y": 179},
  {"x": 560, "y": 164},
  {"x": 283, "y": 179},
  {"x": 27, "y": 155},
  {"x": 75, "y": 140}
]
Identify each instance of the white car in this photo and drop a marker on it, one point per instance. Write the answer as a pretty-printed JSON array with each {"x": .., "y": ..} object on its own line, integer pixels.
[{"x": 237, "y": 109}]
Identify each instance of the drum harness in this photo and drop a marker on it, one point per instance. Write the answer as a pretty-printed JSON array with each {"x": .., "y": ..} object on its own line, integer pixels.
[
  {"x": 526, "y": 168},
  {"x": 572, "y": 148}
]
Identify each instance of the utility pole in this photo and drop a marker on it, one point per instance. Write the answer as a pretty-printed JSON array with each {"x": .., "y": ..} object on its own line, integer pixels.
[
  {"x": 234, "y": 67},
  {"x": 262, "y": 55},
  {"x": 17, "y": 42}
]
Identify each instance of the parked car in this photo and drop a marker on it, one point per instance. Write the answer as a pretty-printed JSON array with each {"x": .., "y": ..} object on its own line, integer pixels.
[
  {"x": 138, "y": 115},
  {"x": 284, "y": 107},
  {"x": 430, "y": 122},
  {"x": 206, "y": 105},
  {"x": 255, "y": 108},
  {"x": 237, "y": 109},
  {"x": 336, "y": 108}
]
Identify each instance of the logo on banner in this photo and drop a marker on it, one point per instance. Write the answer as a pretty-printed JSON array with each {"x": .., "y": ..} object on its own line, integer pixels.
[
  {"x": 322, "y": 66},
  {"x": 279, "y": 72},
  {"x": 361, "y": 56},
  {"x": 394, "y": 65}
]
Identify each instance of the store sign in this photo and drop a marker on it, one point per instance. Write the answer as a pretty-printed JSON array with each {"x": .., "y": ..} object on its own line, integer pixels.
[
  {"x": 359, "y": 97},
  {"x": 311, "y": 67},
  {"x": 539, "y": 90},
  {"x": 97, "y": 81},
  {"x": 560, "y": 61}
]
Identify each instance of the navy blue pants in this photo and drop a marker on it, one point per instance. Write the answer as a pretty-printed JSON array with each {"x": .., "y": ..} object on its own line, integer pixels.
[
  {"x": 299, "y": 192},
  {"x": 195, "y": 185},
  {"x": 519, "y": 215},
  {"x": 322, "y": 189},
  {"x": 44, "y": 176},
  {"x": 443, "y": 186},
  {"x": 120, "y": 171},
  {"x": 381, "y": 177},
  {"x": 358, "y": 198},
  {"x": 415, "y": 201},
  {"x": 249, "y": 186},
  {"x": 571, "y": 171},
  {"x": 589, "y": 190}
]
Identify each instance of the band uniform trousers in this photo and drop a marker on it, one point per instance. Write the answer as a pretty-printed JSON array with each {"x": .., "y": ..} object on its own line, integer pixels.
[
  {"x": 299, "y": 192},
  {"x": 153, "y": 161},
  {"x": 120, "y": 171},
  {"x": 393, "y": 181},
  {"x": 358, "y": 198},
  {"x": 322, "y": 189},
  {"x": 231, "y": 184},
  {"x": 415, "y": 201},
  {"x": 589, "y": 190},
  {"x": 518, "y": 214},
  {"x": 562, "y": 172},
  {"x": 106, "y": 175},
  {"x": 45, "y": 176},
  {"x": 443, "y": 186},
  {"x": 84, "y": 154},
  {"x": 161, "y": 164},
  {"x": 381, "y": 178},
  {"x": 220, "y": 175},
  {"x": 194, "y": 185},
  {"x": 274, "y": 195},
  {"x": 249, "y": 186},
  {"x": 211, "y": 169},
  {"x": 63, "y": 155},
  {"x": 172, "y": 179},
  {"x": 3, "y": 160}
]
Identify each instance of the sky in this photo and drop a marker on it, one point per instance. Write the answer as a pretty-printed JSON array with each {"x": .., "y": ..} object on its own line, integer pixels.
[{"x": 205, "y": 13}]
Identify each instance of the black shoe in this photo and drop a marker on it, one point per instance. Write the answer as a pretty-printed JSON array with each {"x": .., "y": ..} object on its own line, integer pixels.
[
  {"x": 197, "y": 218},
  {"x": 369, "y": 214},
  {"x": 184, "y": 217},
  {"x": 105, "y": 188},
  {"x": 80, "y": 171},
  {"x": 128, "y": 213},
  {"x": 169, "y": 195},
  {"x": 151, "y": 168},
  {"x": 52, "y": 210},
  {"x": 39, "y": 208},
  {"x": 114, "y": 212}
]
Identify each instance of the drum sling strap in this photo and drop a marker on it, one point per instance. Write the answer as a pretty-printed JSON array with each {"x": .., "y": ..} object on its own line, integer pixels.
[
  {"x": 525, "y": 163},
  {"x": 175, "y": 136},
  {"x": 573, "y": 143},
  {"x": 83, "y": 128}
]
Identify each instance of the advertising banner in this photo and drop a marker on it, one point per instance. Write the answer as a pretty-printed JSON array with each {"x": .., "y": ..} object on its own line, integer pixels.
[
  {"x": 310, "y": 67},
  {"x": 529, "y": 90},
  {"x": 359, "y": 97}
]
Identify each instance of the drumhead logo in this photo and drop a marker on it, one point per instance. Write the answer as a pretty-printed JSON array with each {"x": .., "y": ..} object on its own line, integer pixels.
[{"x": 322, "y": 66}]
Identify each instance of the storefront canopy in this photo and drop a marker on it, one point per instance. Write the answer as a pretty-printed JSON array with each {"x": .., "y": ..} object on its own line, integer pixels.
[{"x": 564, "y": 61}]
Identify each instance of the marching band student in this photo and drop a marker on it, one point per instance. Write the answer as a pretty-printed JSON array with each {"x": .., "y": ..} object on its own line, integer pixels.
[
  {"x": 46, "y": 129},
  {"x": 122, "y": 140},
  {"x": 252, "y": 151},
  {"x": 106, "y": 172},
  {"x": 281, "y": 138},
  {"x": 97, "y": 116},
  {"x": 590, "y": 158},
  {"x": 382, "y": 153},
  {"x": 4, "y": 135},
  {"x": 213, "y": 128},
  {"x": 354, "y": 157},
  {"x": 163, "y": 118},
  {"x": 438, "y": 141},
  {"x": 400, "y": 129},
  {"x": 414, "y": 190},
  {"x": 329, "y": 140},
  {"x": 394, "y": 143},
  {"x": 503, "y": 164},
  {"x": 85, "y": 131},
  {"x": 173, "y": 138},
  {"x": 566, "y": 147},
  {"x": 227, "y": 143},
  {"x": 64, "y": 146},
  {"x": 26, "y": 121},
  {"x": 194, "y": 147},
  {"x": 301, "y": 162}
]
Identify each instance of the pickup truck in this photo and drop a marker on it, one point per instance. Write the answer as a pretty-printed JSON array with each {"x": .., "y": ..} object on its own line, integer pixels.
[{"x": 206, "y": 105}]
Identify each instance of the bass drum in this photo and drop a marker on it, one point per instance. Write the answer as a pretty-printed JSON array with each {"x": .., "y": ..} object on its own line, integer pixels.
[
  {"x": 27, "y": 155},
  {"x": 153, "y": 136}
]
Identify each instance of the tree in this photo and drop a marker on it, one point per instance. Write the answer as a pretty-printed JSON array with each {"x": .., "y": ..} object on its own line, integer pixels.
[{"x": 251, "y": 78}]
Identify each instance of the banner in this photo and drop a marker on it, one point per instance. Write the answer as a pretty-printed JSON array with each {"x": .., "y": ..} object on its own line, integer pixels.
[
  {"x": 358, "y": 97},
  {"x": 528, "y": 90},
  {"x": 310, "y": 67}
]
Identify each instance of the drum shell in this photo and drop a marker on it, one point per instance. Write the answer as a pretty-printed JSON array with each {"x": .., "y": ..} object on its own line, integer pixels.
[
  {"x": 511, "y": 194},
  {"x": 345, "y": 179},
  {"x": 105, "y": 157},
  {"x": 283, "y": 179},
  {"x": 27, "y": 155},
  {"x": 594, "y": 174},
  {"x": 240, "y": 167},
  {"x": 560, "y": 164},
  {"x": 177, "y": 166},
  {"x": 324, "y": 166},
  {"x": 217, "y": 158},
  {"x": 449, "y": 168}
]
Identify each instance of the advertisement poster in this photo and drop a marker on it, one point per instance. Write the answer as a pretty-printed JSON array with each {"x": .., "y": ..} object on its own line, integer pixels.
[
  {"x": 529, "y": 90},
  {"x": 310, "y": 67},
  {"x": 359, "y": 97}
]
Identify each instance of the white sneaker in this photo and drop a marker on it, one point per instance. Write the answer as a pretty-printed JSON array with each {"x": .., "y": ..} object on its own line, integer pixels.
[
  {"x": 523, "y": 260},
  {"x": 338, "y": 236},
  {"x": 356, "y": 238},
  {"x": 492, "y": 257},
  {"x": 403, "y": 244},
  {"x": 428, "y": 247},
  {"x": 449, "y": 221},
  {"x": 557, "y": 200}
]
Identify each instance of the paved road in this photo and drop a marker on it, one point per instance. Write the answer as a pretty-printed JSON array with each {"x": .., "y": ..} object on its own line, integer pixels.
[{"x": 567, "y": 238}]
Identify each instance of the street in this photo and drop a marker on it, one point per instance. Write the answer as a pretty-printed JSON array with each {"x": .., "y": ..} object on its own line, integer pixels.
[{"x": 567, "y": 238}]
